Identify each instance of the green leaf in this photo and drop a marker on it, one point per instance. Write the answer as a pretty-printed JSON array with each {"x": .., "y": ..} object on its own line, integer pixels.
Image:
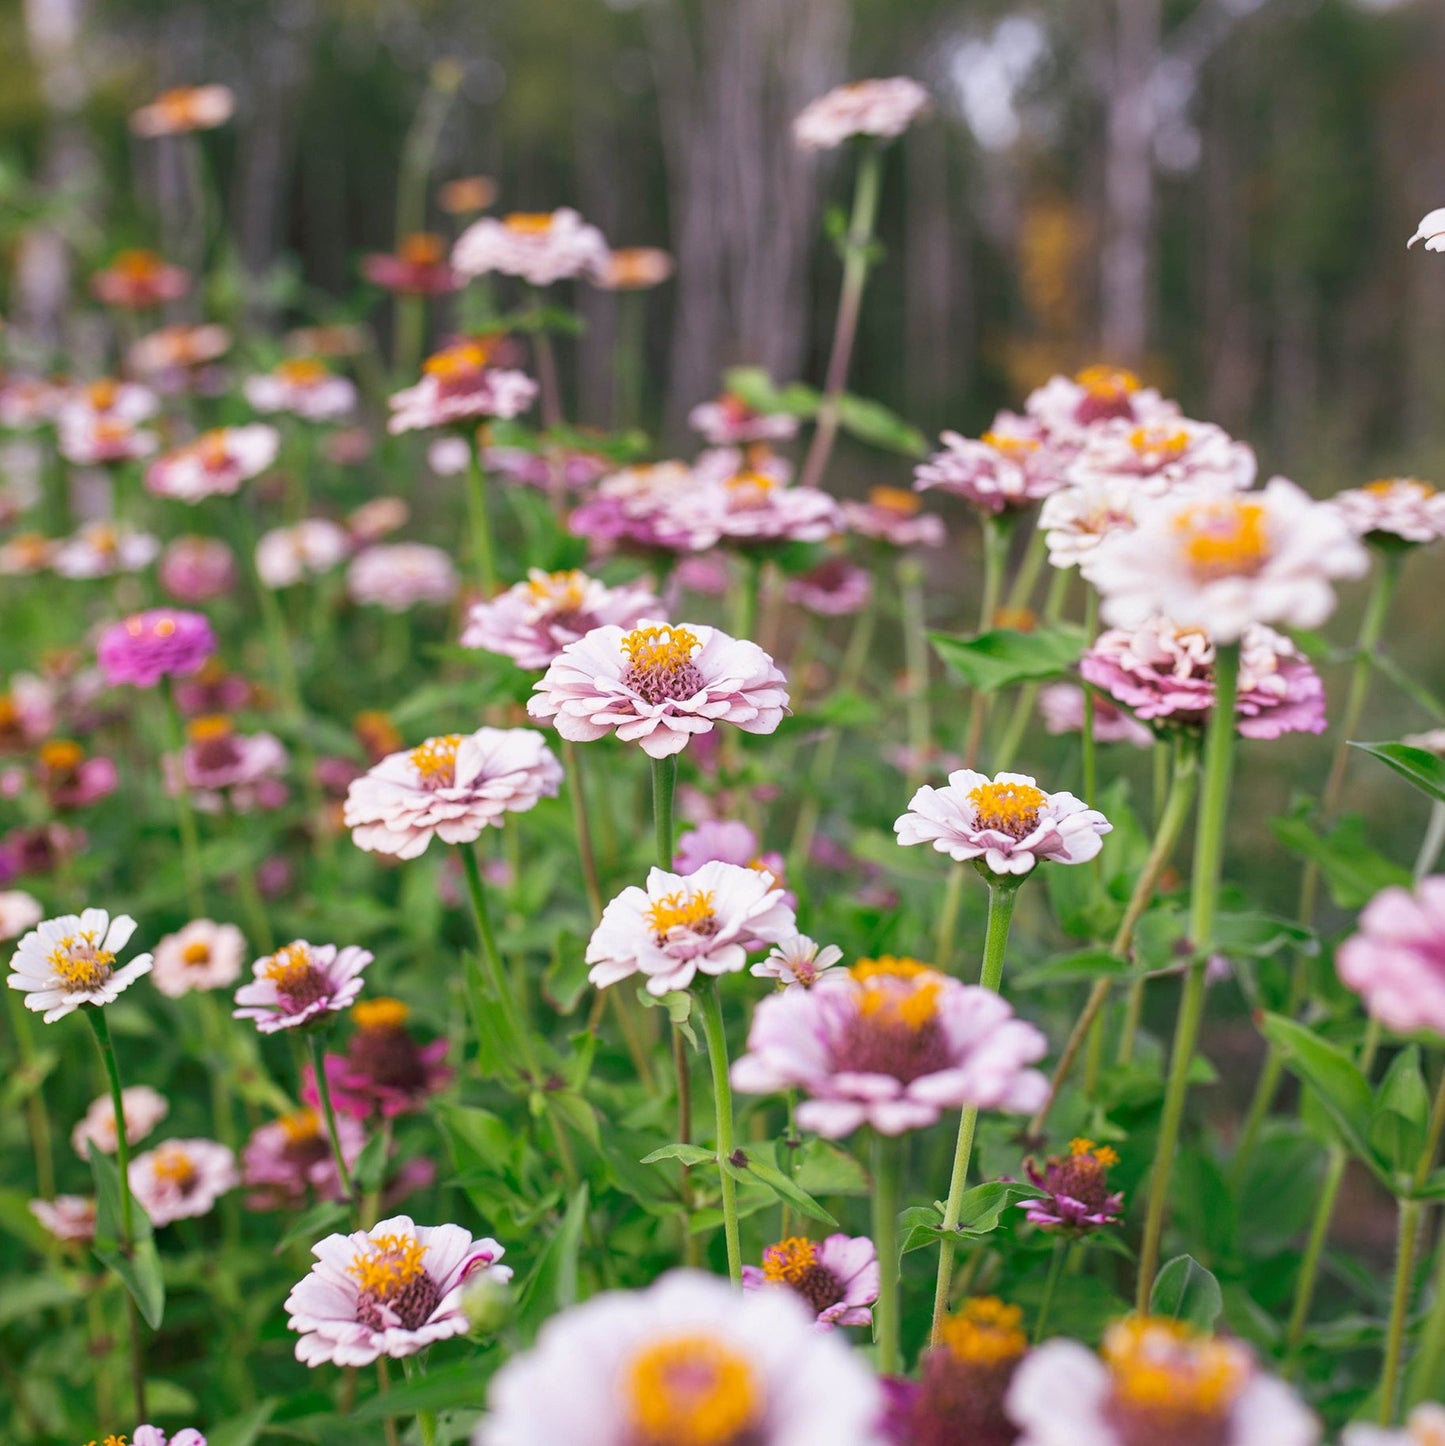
[
  {"x": 243, "y": 1430},
  {"x": 1342, "y": 1089},
  {"x": 1185, "y": 1291},
  {"x": 370, "y": 1166},
  {"x": 314, "y": 1224},
  {"x": 1354, "y": 871},
  {"x": 444, "y": 1389},
  {"x": 1260, "y": 936},
  {"x": 139, "y": 1268},
  {"x": 744, "y": 1167},
  {"x": 873, "y": 423},
  {"x": 1083, "y": 964},
  {"x": 1420, "y": 767},
  {"x": 565, "y": 981},
  {"x": 1402, "y": 1106},
  {"x": 21, "y": 1296},
  {"x": 688, "y": 1154},
  {"x": 825, "y": 1169},
  {"x": 1004, "y": 656},
  {"x": 755, "y": 388},
  {"x": 981, "y": 1211},
  {"x": 552, "y": 1284}
]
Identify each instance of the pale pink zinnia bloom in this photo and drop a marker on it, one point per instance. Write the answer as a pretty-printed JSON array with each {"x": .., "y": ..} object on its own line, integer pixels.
[
  {"x": 1431, "y": 231},
  {"x": 894, "y": 1044},
  {"x": 303, "y": 386},
  {"x": 28, "y": 402},
  {"x": 392, "y": 1291},
  {"x": 1401, "y": 508},
  {"x": 19, "y": 911},
  {"x": 175, "y": 351},
  {"x": 1227, "y": 561},
  {"x": 401, "y": 575},
  {"x": 1164, "y": 456},
  {"x": 1426, "y": 1426},
  {"x": 835, "y": 588},
  {"x": 730, "y": 422},
  {"x": 143, "y": 1107},
  {"x": 183, "y": 110},
  {"x": 71, "y": 960},
  {"x": 883, "y": 108},
  {"x": 103, "y": 549},
  {"x": 1077, "y": 518},
  {"x": 895, "y": 516},
  {"x": 1066, "y": 408},
  {"x": 837, "y": 1278},
  {"x": 96, "y": 441},
  {"x": 197, "y": 569},
  {"x": 215, "y": 464},
  {"x": 450, "y": 787},
  {"x": 138, "y": 279},
  {"x": 199, "y": 955},
  {"x": 1007, "y": 823},
  {"x": 287, "y": 555},
  {"x": 534, "y": 620},
  {"x": 659, "y": 685},
  {"x": 798, "y": 961},
  {"x": 182, "y": 1179},
  {"x": 225, "y": 769},
  {"x": 107, "y": 399},
  {"x": 1156, "y": 1381},
  {"x": 1395, "y": 961},
  {"x": 69, "y": 1218},
  {"x": 681, "y": 925},
  {"x": 290, "y": 1159},
  {"x": 154, "y": 1436},
  {"x": 301, "y": 983},
  {"x": 458, "y": 384},
  {"x": 539, "y": 247},
  {"x": 749, "y": 503},
  {"x": 378, "y": 518},
  {"x": 639, "y": 504},
  {"x": 1062, "y": 707},
  {"x": 996, "y": 472}
]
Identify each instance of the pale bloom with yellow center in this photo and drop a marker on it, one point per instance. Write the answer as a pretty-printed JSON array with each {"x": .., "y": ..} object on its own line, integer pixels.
[
  {"x": 143, "y": 1108},
  {"x": 883, "y": 109},
  {"x": 1403, "y": 509},
  {"x": 73, "y": 960},
  {"x": 539, "y": 247},
  {"x": 200, "y": 955},
  {"x": 181, "y": 1179},
  {"x": 300, "y": 984},
  {"x": 184, "y": 109},
  {"x": 1067, "y": 408},
  {"x": 302, "y": 386}
]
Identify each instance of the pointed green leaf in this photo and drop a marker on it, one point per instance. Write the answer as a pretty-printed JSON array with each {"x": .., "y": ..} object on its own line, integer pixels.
[
  {"x": 1420, "y": 767},
  {"x": 1004, "y": 656},
  {"x": 1185, "y": 1291}
]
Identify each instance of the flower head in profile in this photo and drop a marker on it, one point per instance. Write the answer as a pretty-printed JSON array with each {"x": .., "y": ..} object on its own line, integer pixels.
[
  {"x": 1224, "y": 562},
  {"x": 798, "y": 961},
  {"x": 1062, "y": 708},
  {"x": 182, "y": 1179},
  {"x": 728, "y": 421},
  {"x": 215, "y": 464},
  {"x": 1394, "y": 510},
  {"x": 174, "y": 356},
  {"x": 149, "y": 646},
  {"x": 998, "y": 472},
  {"x": 1007, "y": 823},
  {"x": 881, "y": 108},
  {"x": 539, "y": 247},
  {"x": 689, "y": 1361},
  {"x": 837, "y": 1277},
  {"x": 1066, "y": 408},
  {"x": 290, "y": 1161},
  {"x": 1426, "y": 1426},
  {"x": 98, "y": 441},
  {"x": 69, "y": 1218},
  {"x": 137, "y": 280},
  {"x": 659, "y": 685},
  {"x": 301, "y": 984},
  {"x": 460, "y": 383},
  {"x": 73, "y": 960},
  {"x": 1077, "y": 1197},
  {"x": 895, "y": 516},
  {"x": 199, "y": 955},
  {"x": 308, "y": 549},
  {"x": 835, "y": 588},
  {"x": 1154, "y": 1381},
  {"x": 386, "y": 1070},
  {"x": 1395, "y": 960},
  {"x": 1431, "y": 231},
  {"x": 183, "y": 110},
  {"x": 197, "y": 569},
  {"x": 682, "y": 925},
  {"x": 466, "y": 195},
  {"x": 418, "y": 267},
  {"x": 70, "y": 779},
  {"x": 143, "y": 1107},
  {"x": 304, "y": 387},
  {"x": 891, "y": 1043},
  {"x": 392, "y": 1291},
  {"x": 398, "y": 576},
  {"x": 449, "y": 787}
]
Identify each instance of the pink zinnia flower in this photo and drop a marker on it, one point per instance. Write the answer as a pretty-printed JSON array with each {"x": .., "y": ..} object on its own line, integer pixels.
[
  {"x": 882, "y": 108},
  {"x": 103, "y": 549},
  {"x": 730, "y": 422},
  {"x": 681, "y": 925},
  {"x": 28, "y": 402},
  {"x": 895, "y": 516},
  {"x": 745, "y": 500},
  {"x": 1007, "y": 823},
  {"x": 170, "y": 353},
  {"x": 143, "y": 1108},
  {"x": 893, "y": 1044},
  {"x": 450, "y": 787},
  {"x": 301, "y": 984},
  {"x": 215, "y": 464},
  {"x": 97, "y": 441},
  {"x": 1062, "y": 707},
  {"x": 149, "y": 646},
  {"x": 457, "y": 384},
  {"x": 1165, "y": 456},
  {"x": 197, "y": 569},
  {"x": 638, "y": 505},
  {"x": 19, "y": 912},
  {"x": 418, "y": 268},
  {"x": 69, "y": 779},
  {"x": 288, "y": 555},
  {"x": 837, "y": 1277},
  {"x": 154, "y": 1436},
  {"x": 138, "y": 279},
  {"x": 1067, "y": 407},
  {"x": 181, "y": 1179},
  {"x": 798, "y": 961},
  {"x": 178, "y": 112},
  {"x": 304, "y": 387},
  {"x": 290, "y": 1159},
  {"x": 226, "y": 769},
  {"x": 995, "y": 473},
  {"x": 107, "y": 400},
  {"x": 385, "y": 1071},
  {"x": 1078, "y": 1198},
  {"x": 659, "y": 685},
  {"x": 1395, "y": 961},
  {"x": 534, "y": 621},
  {"x": 539, "y": 247},
  {"x": 1394, "y": 508},
  {"x": 398, "y": 576},
  {"x": 1077, "y": 518},
  {"x": 729, "y": 841},
  {"x": 546, "y": 470},
  {"x": 378, "y": 518},
  {"x": 70, "y": 1218},
  {"x": 833, "y": 589},
  {"x": 199, "y": 955},
  {"x": 392, "y": 1291}
]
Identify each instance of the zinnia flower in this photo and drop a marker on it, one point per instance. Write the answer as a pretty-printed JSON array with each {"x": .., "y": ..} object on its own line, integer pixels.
[
  {"x": 634, "y": 268},
  {"x": 450, "y": 787},
  {"x": 182, "y": 1179},
  {"x": 149, "y": 646},
  {"x": 1394, "y": 508},
  {"x": 71, "y": 960},
  {"x": 392, "y": 1291},
  {"x": 745, "y": 502},
  {"x": 837, "y": 1277},
  {"x": 681, "y": 925},
  {"x": 641, "y": 505},
  {"x": 540, "y": 247},
  {"x": 109, "y": 400},
  {"x": 687, "y": 1355},
  {"x": 1431, "y": 231},
  {"x": 226, "y": 769},
  {"x": 401, "y": 575},
  {"x": 884, "y": 108},
  {"x": 1395, "y": 960},
  {"x": 143, "y": 1107},
  {"x": 103, "y": 549},
  {"x": 291, "y": 1158},
  {"x": 287, "y": 555},
  {"x": 69, "y": 1218},
  {"x": 996, "y": 473},
  {"x": 215, "y": 464},
  {"x": 69, "y": 779},
  {"x": 19, "y": 911},
  {"x": 1154, "y": 1381},
  {"x": 1164, "y": 456},
  {"x": 180, "y": 111},
  {"x": 300, "y": 984},
  {"x": 894, "y": 1044},
  {"x": 137, "y": 280},
  {"x": 659, "y": 685},
  {"x": 199, "y": 955},
  {"x": 895, "y": 516},
  {"x": 304, "y": 387},
  {"x": 1426, "y": 1426},
  {"x": 385, "y": 1070},
  {"x": 197, "y": 569},
  {"x": 1062, "y": 707},
  {"x": 1078, "y": 1198},
  {"x": 419, "y": 267},
  {"x": 1067, "y": 407},
  {"x": 730, "y": 422},
  {"x": 177, "y": 349},
  {"x": 154, "y": 1436},
  {"x": 833, "y": 589},
  {"x": 456, "y": 384},
  {"x": 1077, "y": 518},
  {"x": 1007, "y": 822},
  {"x": 798, "y": 961},
  {"x": 94, "y": 441}
]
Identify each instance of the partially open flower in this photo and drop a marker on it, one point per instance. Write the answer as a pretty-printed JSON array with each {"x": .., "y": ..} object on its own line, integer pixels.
[
  {"x": 149, "y": 646},
  {"x": 798, "y": 961},
  {"x": 137, "y": 280},
  {"x": 215, "y": 464},
  {"x": 182, "y": 1179},
  {"x": 458, "y": 383},
  {"x": 837, "y": 1278},
  {"x": 69, "y": 1218},
  {"x": 304, "y": 387},
  {"x": 1426, "y": 1426},
  {"x": 996, "y": 473},
  {"x": 183, "y": 110},
  {"x": 196, "y": 569},
  {"x": 1079, "y": 1199},
  {"x": 730, "y": 422},
  {"x": 398, "y": 576},
  {"x": 1394, "y": 509},
  {"x": 419, "y": 267},
  {"x": 385, "y": 1071},
  {"x": 143, "y": 1107},
  {"x": 301, "y": 984},
  {"x": 199, "y": 955},
  {"x": 1395, "y": 961},
  {"x": 882, "y": 108},
  {"x": 177, "y": 351},
  {"x": 290, "y": 1160},
  {"x": 72, "y": 960},
  {"x": 539, "y": 247},
  {"x": 895, "y": 516},
  {"x": 288, "y": 555},
  {"x": 835, "y": 588}
]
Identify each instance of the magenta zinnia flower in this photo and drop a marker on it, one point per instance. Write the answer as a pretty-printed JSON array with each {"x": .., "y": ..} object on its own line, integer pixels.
[
  {"x": 1079, "y": 1199},
  {"x": 385, "y": 1071},
  {"x": 149, "y": 646},
  {"x": 996, "y": 473},
  {"x": 291, "y": 1158},
  {"x": 891, "y": 1043},
  {"x": 1395, "y": 961},
  {"x": 418, "y": 267},
  {"x": 301, "y": 983},
  {"x": 224, "y": 768},
  {"x": 457, "y": 384},
  {"x": 837, "y": 1277}
]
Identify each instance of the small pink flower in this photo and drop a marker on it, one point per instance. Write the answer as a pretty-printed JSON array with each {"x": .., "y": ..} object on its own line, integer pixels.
[
  {"x": 1062, "y": 707},
  {"x": 392, "y": 1291},
  {"x": 1164, "y": 456},
  {"x": 894, "y": 516},
  {"x": 290, "y": 1160},
  {"x": 418, "y": 268},
  {"x": 19, "y": 912},
  {"x": 882, "y": 108},
  {"x": 1395, "y": 961},
  {"x": 458, "y": 384},
  {"x": 659, "y": 685},
  {"x": 181, "y": 1179},
  {"x": 837, "y": 1277},
  {"x": 799, "y": 960},
  {"x": 643, "y": 505},
  {"x": 401, "y": 575},
  {"x": 103, "y": 549},
  {"x": 1065, "y": 408},
  {"x": 385, "y": 1071},
  {"x": 107, "y": 400},
  {"x": 309, "y": 549},
  {"x": 730, "y": 422},
  {"x": 28, "y": 402},
  {"x": 197, "y": 569},
  {"x": 226, "y": 769},
  {"x": 301, "y": 984},
  {"x": 173, "y": 354},
  {"x": 833, "y": 589},
  {"x": 215, "y": 464},
  {"x": 1402, "y": 508},
  {"x": 149, "y": 646},
  {"x": 199, "y": 955},
  {"x": 546, "y": 470},
  {"x": 744, "y": 499},
  {"x": 539, "y": 247},
  {"x": 70, "y": 1218},
  {"x": 143, "y": 1108},
  {"x": 154, "y": 1436},
  {"x": 1078, "y": 1199},
  {"x": 137, "y": 280},
  {"x": 69, "y": 779},
  {"x": 97, "y": 441},
  {"x": 304, "y": 387},
  {"x": 996, "y": 473},
  {"x": 378, "y": 518}
]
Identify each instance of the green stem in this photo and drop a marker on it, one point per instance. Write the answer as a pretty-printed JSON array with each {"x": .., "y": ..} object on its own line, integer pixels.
[
  {"x": 483, "y": 558},
  {"x": 1411, "y": 1212},
  {"x": 1204, "y": 896},
  {"x": 997, "y": 533},
  {"x": 709, "y": 1005},
  {"x": 545, "y": 356},
  {"x": 520, "y": 1039},
  {"x": 100, "y": 1026},
  {"x": 887, "y": 1194},
  {"x": 915, "y": 653},
  {"x": 316, "y": 1045},
  {"x": 1051, "y": 1285},
  {"x": 1001, "y": 898},
  {"x": 664, "y": 784},
  {"x": 586, "y": 856},
  {"x": 185, "y": 808},
  {"x": 1425, "y": 1373},
  {"x": 1090, "y": 743},
  {"x": 1021, "y": 590},
  {"x": 36, "y": 1115},
  {"x": 426, "y": 1421},
  {"x": 947, "y": 924}
]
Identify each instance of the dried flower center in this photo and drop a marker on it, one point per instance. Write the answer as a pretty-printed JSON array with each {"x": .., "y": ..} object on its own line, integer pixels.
[
  {"x": 984, "y": 1332},
  {"x": 693, "y": 1390},
  {"x": 896, "y": 1028},
  {"x": 79, "y": 963},
  {"x": 794, "y": 1262},
  {"x": 61, "y": 755},
  {"x": 1016, "y": 448},
  {"x": 173, "y": 1166},
  {"x": 660, "y": 665},
  {"x": 528, "y": 223},
  {"x": 1224, "y": 538},
  {"x": 896, "y": 499},
  {"x": 1156, "y": 446},
  {"x": 380, "y": 1013},
  {"x": 436, "y": 760},
  {"x": 424, "y": 248},
  {"x": 195, "y": 954},
  {"x": 689, "y": 911},
  {"x": 1171, "y": 1383},
  {"x": 138, "y": 265},
  {"x": 1009, "y": 808},
  {"x": 395, "y": 1287},
  {"x": 457, "y": 364},
  {"x": 298, "y": 981},
  {"x": 302, "y": 371}
]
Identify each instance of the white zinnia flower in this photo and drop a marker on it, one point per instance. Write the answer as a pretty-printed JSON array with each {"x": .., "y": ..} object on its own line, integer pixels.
[
  {"x": 1426, "y": 1427},
  {"x": 1431, "y": 231},
  {"x": 71, "y": 960},
  {"x": 143, "y": 1107}
]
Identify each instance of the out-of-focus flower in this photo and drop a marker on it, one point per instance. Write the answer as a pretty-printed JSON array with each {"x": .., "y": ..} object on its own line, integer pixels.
[
  {"x": 199, "y": 955},
  {"x": 29, "y": 712},
  {"x": 532, "y": 622},
  {"x": 102, "y": 549},
  {"x": 214, "y": 689},
  {"x": 95, "y": 441},
  {"x": 995, "y": 473},
  {"x": 70, "y": 779},
  {"x": 705, "y": 573},
  {"x": 197, "y": 569},
  {"x": 659, "y": 685},
  {"x": 895, "y": 516},
  {"x": 1062, "y": 707},
  {"x": 334, "y": 340},
  {"x": 1155, "y": 1380},
  {"x": 1426, "y": 1426},
  {"x": 287, "y": 555},
  {"x": 304, "y": 387},
  {"x": 728, "y": 841},
  {"x": 681, "y": 925},
  {"x": 539, "y": 247},
  {"x": 467, "y": 195},
  {"x": 1164, "y": 456},
  {"x": 799, "y": 960},
  {"x": 183, "y": 110},
  {"x": 291, "y": 1158},
  {"x": 418, "y": 268},
  {"x": 137, "y": 280},
  {"x": 174, "y": 349},
  {"x": 22, "y": 461},
  {"x": 182, "y": 1179},
  {"x": 730, "y": 422},
  {"x": 1007, "y": 823},
  {"x": 1077, "y": 518},
  {"x": 377, "y": 519},
  {"x": 449, "y": 456},
  {"x": 301, "y": 983},
  {"x": 637, "y": 505},
  {"x": 215, "y": 464},
  {"x": 149, "y": 646},
  {"x": 634, "y": 268},
  {"x": 401, "y": 575},
  {"x": 69, "y": 1218},
  {"x": 1077, "y": 1199},
  {"x": 657, "y": 1365},
  {"x": 891, "y": 1043},
  {"x": 143, "y": 1107},
  {"x": 376, "y": 733},
  {"x": 458, "y": 383},
  {"x": 385, "y": 1070},
  {"x": 347, "y": 447},
  {"x": 1395, "y": 961},
  {"x": 28, "y": 402},
  {"x": 1067, "y": 407},
  {"x": 833, "y": 589},
  {"x": 154, "y": 1436},
  {"x": 1223, "y": 563},
  {"x": 1394, "y": 508},
  {"x": 25, "y": 554},
  {"x": 837, "y": 1277},
  {"x": 107, "y": 400},
  {"x": 745, "y": 499},
  {"x": 71, "y": 960},
  {"x": 1431, "y": 231},
  {"x": 884, "y": 108},
  {"x": 19, "y": 912},
  {"x": 225, "y": 769},
  {"x": 392, "y": 1291},
  {"x": 1166, "y": 674}
]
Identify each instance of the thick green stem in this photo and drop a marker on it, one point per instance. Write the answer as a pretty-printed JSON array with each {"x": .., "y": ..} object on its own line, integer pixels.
[
  {"x": 664, "y": 784},
  {"x": 887, "y": 1194},
  {"x": 1001, "y": 897},
  {"x": 317, "y": 1047},
  {"x": 997, "y": 533},
  {"x": 516, "y": 1028},
  {"x": 185, "y": 808},
  {"x": 95, "y": 1015},
  {"x": 915, "y": 653},
  {"x": 1425, "y": 1373},
  {"x": 709, "y": 1006},
  {"x": 483, "y": 558}
]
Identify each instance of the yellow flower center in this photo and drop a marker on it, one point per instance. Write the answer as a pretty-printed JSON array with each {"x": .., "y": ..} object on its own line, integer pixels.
[
  {"x": 436, "y": 760},
  {"x": 1161, "y": 1368},
  {"x": 380, "y": 1014},
  {"x": 300, "y": 1126},
  {"x": 102, "y": 395},
  {"x": 424, "y": 248},
  {"x": 690, "y": 909},
  {"x": 692, "y": 1390},
  {"x": 61, "y": 755},
  {"x": 1106, "y": 381},
  {"x": 896, "y": 499},
  {"x": 789, "y": 1261},
  {"x": 1102, "y": 1153},
  {"x": 1158, "y": 444},
  {"x": 172, "y": 1166},
  {"x": 138, "y": 265},
  {"x": 1385, "y": 486},
  {"x": 898, "y": 991},
  {"x": 1223, "y": 538},
  {"x": 209, "y": 729},
  {"x": 110, "y": 1441},
  {"x": 528, "y": 223},
  {"x": 1015, "y": 447},
  {"x": 1011, "y": 808},
  {"x": 196, "y": 953},
  {"x": 454, "y": 363},
  {"x": 79, "y": 963},
  {"x": 289, "y": 967},
  {"x": 213, "y": 449},
  {"x": 302, "y": 371},
  {"x": 664, "y": 649},
  {"x": 391, "y": 1263},
  {"x": 984, "y": 1332},
  {"x": 180, "y": 107},
  {"x": 562, "y": 592}
]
